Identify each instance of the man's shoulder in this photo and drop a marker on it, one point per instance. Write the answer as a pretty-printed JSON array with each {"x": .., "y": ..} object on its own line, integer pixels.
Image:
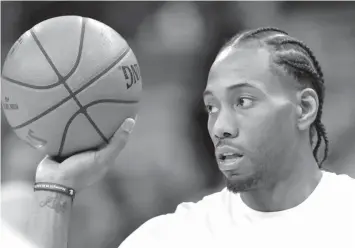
[
  {"x": 147, "y": 233},
  {"x": 163, "y": 229},
  {"x": 341, "y": 187},
  {"x": 207, "y": 203},
  {"x": 340, "y": 181}
]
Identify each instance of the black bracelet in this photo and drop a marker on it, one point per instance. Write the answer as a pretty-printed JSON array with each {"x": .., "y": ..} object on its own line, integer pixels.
[{"x": 54, "y": 187}]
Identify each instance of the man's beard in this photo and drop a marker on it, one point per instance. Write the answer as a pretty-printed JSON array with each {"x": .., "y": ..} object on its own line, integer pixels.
[{"x": 242, "y": 185}]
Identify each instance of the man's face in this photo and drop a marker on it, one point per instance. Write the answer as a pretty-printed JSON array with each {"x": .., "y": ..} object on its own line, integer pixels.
[{"x": 252, "y": 118}]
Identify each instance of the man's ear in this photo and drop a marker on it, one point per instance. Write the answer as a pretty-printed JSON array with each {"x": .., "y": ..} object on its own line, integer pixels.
[{"x": 307, "y": 108}]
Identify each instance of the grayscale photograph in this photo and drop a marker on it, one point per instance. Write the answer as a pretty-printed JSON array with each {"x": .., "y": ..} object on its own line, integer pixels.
[{"x": 177, "y": 124}]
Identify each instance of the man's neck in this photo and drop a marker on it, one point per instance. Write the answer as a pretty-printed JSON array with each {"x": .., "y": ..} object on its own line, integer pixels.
[{"x": 288, "y": 192}]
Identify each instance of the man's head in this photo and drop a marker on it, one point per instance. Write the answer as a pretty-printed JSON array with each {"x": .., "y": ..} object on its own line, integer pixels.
[{"x": 264, "y": 97}]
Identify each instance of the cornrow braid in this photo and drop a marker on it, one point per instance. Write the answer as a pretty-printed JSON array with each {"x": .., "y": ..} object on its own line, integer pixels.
[
  {"x": 317, "y": 81},
  {"x": 253, "y": 33},
  {"x": 297, "y": 59},
  {"x": 309, "y": 52},
  {"x": 323, "y": 133},
  {"x": 243, "y": 36}
]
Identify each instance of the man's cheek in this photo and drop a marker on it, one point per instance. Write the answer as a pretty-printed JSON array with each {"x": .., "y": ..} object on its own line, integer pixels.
[
  {"x": 263, "y": 136},
  {"x": 262, "y": 128},
  {"x": 210, "y": 127}
]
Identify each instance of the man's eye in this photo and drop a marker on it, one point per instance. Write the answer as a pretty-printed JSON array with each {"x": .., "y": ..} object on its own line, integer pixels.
[
  {"x": 244, "y": 102},
  {"x": 211, "y": 109}
]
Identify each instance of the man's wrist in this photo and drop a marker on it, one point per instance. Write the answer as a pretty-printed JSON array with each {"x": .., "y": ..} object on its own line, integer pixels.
[
  {"x": 55, "y": 187},
  {"x": 59, "y": 202}
]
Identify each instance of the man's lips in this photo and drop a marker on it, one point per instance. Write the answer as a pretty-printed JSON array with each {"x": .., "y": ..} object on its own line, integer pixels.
[
  {"x": 228, "y": 157},
  {"x": 223, "y": 152}
]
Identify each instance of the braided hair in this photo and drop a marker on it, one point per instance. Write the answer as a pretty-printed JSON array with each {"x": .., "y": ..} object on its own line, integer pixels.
[{"x": 297, "y": 59}]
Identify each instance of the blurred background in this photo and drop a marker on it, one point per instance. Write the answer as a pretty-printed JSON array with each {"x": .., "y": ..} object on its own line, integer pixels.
[{"x": 168, "y": 159}]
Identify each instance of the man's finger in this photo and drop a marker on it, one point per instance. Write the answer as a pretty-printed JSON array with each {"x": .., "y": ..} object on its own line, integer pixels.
[
  {"x": 117, "y": 142},
  {"x": 46, "y": 166},
  {"x": 47, "y": 160}
]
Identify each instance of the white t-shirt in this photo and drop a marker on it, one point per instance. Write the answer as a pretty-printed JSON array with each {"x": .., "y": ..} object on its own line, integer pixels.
[{"x": 325, "y": 219}]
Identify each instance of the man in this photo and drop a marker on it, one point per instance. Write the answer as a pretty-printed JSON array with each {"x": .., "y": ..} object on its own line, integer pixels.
[{"x": 264, "y": 98}]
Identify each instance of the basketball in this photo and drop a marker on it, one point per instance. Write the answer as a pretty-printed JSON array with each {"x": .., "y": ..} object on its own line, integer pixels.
[{"x": 68, "y": 83}]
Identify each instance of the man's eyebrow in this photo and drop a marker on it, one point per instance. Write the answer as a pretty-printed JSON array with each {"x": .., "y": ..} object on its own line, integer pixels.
[{"x": 231, "y": 87}]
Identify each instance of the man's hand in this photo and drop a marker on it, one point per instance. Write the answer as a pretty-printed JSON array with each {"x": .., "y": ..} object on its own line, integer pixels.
[{"x": 84, "y": 169}]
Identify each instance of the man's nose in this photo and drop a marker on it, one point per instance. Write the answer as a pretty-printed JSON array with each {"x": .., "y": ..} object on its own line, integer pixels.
[{"x": 225, "y": 126}]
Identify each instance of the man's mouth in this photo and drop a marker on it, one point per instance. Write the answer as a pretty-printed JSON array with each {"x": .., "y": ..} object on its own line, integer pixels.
[{"x": 229, "y": 158}]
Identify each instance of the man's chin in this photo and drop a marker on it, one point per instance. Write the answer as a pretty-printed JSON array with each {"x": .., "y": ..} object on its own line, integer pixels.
[{"x": 239, "y": 185}]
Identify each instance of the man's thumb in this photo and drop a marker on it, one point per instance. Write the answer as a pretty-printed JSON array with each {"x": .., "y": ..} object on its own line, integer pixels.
[
  {"x": 127, "y": 126},
  {"x": 118, "y": 141}
]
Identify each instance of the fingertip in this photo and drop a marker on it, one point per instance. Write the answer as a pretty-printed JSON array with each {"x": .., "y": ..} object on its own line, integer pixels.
[
  {"x": 47, "y": 160},
  {"x": 128, "y": 125},
  {"x": 46, "y": 157}
]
